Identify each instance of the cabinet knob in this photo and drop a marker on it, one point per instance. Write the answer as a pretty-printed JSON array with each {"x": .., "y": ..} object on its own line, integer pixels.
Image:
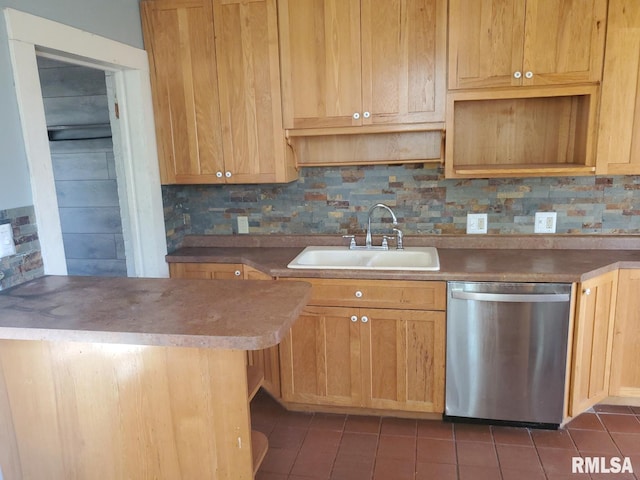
[
  {"x": 587, "y": 291},
  {"x": 227, "y": 174},
  {"x": 356, "y": 116},
  {"x": 358, "y": 294},
  {"x": 366, "y": 114},
  {"x": 364, "y": 319},
  {"x": 354, "y": 318},
  {"x": 517, "y": 75},
  {"x": 219, "y": 174},
  {"x": 237, "y": 273},
  {"x": 528, "y": 75}
]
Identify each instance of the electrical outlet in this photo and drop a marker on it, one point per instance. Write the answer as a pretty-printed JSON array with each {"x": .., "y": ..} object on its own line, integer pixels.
[
  {"x": 243, "y": 224},
  {"x": 476, "y": 223},
  {"x": 545, "y": 222},
  {"x": 7, "y": 245}
]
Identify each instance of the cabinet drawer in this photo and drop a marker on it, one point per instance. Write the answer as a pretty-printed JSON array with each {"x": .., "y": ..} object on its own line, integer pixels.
[
  {"x": 208, "y": 271},
  {"x": 414, "y": 295}
]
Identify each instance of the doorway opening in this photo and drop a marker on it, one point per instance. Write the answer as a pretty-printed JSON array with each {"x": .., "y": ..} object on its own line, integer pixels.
[
  {"x": 134, "y": 143},
  {"x": 76, "y": 107}
]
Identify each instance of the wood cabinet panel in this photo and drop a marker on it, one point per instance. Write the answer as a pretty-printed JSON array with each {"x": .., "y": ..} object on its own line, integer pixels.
[
  {"x": 351, "y": 63},
  {"x": 501, "y": 43},
  {"x": 343, "y": 352},
  {"x": 485, "y": 42},
  {"x": 320, "y": 358},
  {"x": 209, "y": 271},
  {"x": 125, "y": 411},
  {"x": 378, "y": 293},
  {"x": 403, "y": 356},
  {"x": 593, "y": 336},
  {"x": 179, "y": 38},
  {"x": 249, "y": 82},
  {"x": 618, "y": 140},
  {"x": 564, "y": 41},
  {"x": 320, "y": 47},
  {"x": 625, "y": 355},
  {"x": 403, "y": 61},
  {"x": 216, "y": 87}
]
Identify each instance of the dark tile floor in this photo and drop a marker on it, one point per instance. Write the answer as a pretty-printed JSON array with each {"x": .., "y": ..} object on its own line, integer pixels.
[{"x": 347, "y": 447}]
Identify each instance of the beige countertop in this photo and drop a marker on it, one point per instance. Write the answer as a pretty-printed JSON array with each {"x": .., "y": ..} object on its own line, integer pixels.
[
  {"x": 224, "y": 314},
  {"x": 558, "y": 258}
]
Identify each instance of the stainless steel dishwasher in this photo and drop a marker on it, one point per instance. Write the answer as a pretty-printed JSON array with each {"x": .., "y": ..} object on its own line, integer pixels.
[{"x": 507, "y": 352}]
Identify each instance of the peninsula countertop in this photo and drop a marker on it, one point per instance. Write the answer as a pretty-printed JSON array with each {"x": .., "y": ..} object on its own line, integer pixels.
[
  {"x": 221, "y": 314},
  {"x": 514, "y": 258}
]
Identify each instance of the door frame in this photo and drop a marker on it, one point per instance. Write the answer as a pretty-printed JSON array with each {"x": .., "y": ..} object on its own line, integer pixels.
[{"x": 137, "y": 161}]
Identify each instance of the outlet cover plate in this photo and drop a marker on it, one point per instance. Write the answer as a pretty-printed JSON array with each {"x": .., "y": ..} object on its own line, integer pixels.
[
  {"x": 243, "y": 224},
  {"x": 476, "y": 223},
  {"x": 545, "y": 222},
  {"x": 7, "y": 245}
]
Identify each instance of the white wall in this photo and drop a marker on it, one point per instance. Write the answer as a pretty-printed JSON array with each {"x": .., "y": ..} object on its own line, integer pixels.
[{"x": 115, "y": 19}]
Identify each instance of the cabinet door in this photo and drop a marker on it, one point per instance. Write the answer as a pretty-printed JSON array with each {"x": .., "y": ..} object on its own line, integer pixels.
[
  {"x": 593, "y": 334},
  {"x": 179, "y": 37},
  {"x": 625, "y": 356},
  {"x": 403, "y": 61},
  {"x": 249, "y": 84},
  {"x": 208, "y": 271},
  {"x": 403, "y": 358},
  {"x": 320, "y": 57},
  {"x": 320, "y": 358},
  {"x": 485, "y": 42},
  {"x": 564, "y": 41},
  {"x": 618, "y": 138}
]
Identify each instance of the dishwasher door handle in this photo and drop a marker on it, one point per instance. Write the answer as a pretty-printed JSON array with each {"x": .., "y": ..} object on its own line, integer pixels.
[{"x": 511, "y": 297}]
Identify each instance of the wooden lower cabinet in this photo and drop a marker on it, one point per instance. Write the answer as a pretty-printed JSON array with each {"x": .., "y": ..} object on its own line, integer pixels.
[
  {"x": 387, "y": 359},
  {"x": 592, "y": 342},
  {"x": 267, "y": 360},
  {"x": 216, "y": 271},
  {"x": 625, "y": 352}
]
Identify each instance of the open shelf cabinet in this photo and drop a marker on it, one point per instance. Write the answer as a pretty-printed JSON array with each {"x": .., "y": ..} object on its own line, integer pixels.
[{"x": 518, "y": 132}]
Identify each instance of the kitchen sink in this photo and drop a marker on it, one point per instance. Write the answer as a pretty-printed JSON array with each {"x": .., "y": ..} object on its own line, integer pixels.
[{"x": 410, "y": 258}]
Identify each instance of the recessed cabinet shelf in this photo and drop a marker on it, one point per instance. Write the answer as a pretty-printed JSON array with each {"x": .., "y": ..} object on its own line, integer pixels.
[{"x": 502, "y": 133}]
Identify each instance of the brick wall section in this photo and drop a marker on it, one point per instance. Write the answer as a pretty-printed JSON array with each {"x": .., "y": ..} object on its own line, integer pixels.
[
  {"x": 26, "y": 264},
  {"x": 336, "y": 201}
]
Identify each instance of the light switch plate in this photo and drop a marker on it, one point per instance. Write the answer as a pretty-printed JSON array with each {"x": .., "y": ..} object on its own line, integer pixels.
[
  {"x": 545, "y": 222},
  {"x": 7, "y": 246},
  {"x": 243, "y": 224},
  {"x": 476, "y": 223}
]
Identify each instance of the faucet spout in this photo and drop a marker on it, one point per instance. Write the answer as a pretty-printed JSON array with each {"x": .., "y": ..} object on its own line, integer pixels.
[{"x": 377, "y": 205}]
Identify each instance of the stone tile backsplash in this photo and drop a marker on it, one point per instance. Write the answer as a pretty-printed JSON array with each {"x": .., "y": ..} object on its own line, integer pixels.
[
  {"x": 26, "y": 264},
  {"x": 336, "y": 200}
]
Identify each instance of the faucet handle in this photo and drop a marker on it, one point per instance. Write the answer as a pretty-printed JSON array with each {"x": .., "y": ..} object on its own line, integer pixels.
[
  {"x": 399, "y": 239},
  {"x": 352, "y": 243}
]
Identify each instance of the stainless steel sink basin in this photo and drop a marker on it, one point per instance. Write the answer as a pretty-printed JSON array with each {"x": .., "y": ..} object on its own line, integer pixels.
[{"x": 411, "y": 258}]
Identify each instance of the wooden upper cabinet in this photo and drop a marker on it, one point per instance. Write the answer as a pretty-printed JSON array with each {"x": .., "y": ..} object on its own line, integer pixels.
[
  {"x": 254, "y": 144},
  {"x": 501, "y": 43},
  {"x": 320, "y": 45},
  {"x": 403, "y": 61},
  {"x": 216, "y": 86},
  {"x": 349, "y": 63},
  {"x": 618, "y": 138},
  {"x": 179, "y": 38}
]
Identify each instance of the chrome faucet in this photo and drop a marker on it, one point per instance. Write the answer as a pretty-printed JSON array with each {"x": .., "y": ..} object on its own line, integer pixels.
[{"x": 393, "y": 215}]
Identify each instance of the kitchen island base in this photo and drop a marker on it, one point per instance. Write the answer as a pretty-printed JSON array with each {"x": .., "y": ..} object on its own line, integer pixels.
[{"x": 114, "y": 411}]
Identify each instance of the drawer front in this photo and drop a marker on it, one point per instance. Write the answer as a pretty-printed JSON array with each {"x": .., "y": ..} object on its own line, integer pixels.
[
  {"x": 207, "y": 271},
  {"x": 413, "y": 295}
]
